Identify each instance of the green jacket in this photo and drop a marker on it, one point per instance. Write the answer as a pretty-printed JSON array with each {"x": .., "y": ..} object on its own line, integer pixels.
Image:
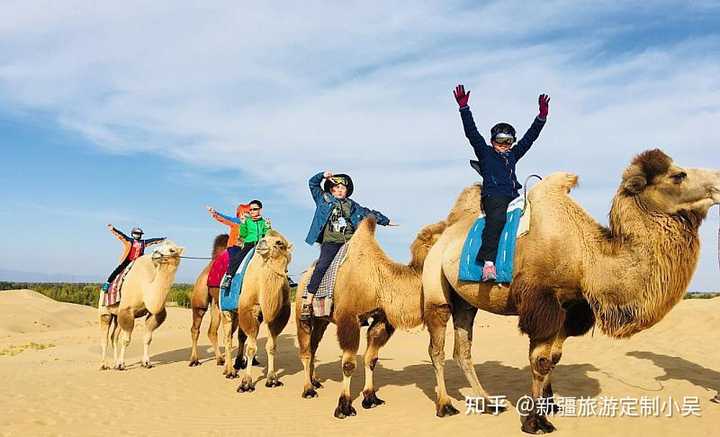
[{"x": 252, "y": 231}]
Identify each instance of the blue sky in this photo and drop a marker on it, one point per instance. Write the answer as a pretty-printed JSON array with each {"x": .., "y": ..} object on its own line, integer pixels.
[{"x": 140, "y": 113}]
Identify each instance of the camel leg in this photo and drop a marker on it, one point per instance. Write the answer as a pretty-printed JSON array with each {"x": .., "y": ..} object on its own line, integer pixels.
[
  {"x": 378, "y": 334},
  {"x": 436, "y": 318},
  {"x": 152, "y": 322},
  {"x": 229, "y": 320},
  {"x": 463, "y": 315},
  {"x": 250, "y": 325},
  {"x": 213, "y": 332},
  {"x": 309, "y": 337},
  {"x": 317, "y": 335},
  {"x": 349, "y": 338},
  {"x": 555, "y": 355},
  {"x": 240, "y": 360},
  {"x": 197, "y": 316},
  {"x": 114, "y": 336},
  {"x": 535, "y": 421},
  {"x": 126, "y": 321},
  {"x": 275, "y": 327},
  {"x": 105, "y": 322}
]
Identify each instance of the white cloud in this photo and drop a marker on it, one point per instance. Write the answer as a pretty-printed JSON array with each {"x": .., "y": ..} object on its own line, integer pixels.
[{"x": 279, "y": 93}]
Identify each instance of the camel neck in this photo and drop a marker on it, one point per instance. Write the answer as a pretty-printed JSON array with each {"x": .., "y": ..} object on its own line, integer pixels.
[
  {"x": 158, "y": 289},
  {"x": 643, "y": 268}
]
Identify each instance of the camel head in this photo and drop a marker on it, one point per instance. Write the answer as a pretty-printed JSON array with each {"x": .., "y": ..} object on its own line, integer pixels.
[
  {"x": 661, "y": 186},
  {"x": 219, "y": 244},
  {"x": 167, "y": 254},
  {"x": 274, "y": 246}
]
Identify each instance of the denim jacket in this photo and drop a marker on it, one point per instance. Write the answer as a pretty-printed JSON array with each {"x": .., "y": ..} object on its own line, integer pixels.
[{"x": 324, "y": 205}]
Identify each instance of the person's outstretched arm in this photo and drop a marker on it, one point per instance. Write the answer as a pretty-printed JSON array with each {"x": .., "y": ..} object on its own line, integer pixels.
[
  {"x": 153, "y": 241},
  {"x": 118, "y": 233},
  {"x": 533, "y": 133},
  {"x": 224, "y": 219},
  {"x": 471, "y": 132},
  {"x": 380, "y": 217}
]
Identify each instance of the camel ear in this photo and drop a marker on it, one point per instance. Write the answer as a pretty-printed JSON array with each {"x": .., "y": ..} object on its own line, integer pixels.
[
  {"x": 290, "y": 247},
  {"x": 635, "y": 184}
]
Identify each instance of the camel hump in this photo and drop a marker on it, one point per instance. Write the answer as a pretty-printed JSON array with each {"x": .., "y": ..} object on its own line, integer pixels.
[{"x": 367, "y": 225}]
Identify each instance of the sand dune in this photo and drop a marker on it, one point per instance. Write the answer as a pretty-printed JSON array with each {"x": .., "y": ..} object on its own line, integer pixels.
[{"x": 59, "y": 390}]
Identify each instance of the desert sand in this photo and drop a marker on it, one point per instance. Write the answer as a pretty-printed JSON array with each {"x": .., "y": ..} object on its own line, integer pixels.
[{"x": 52, "y": 385}]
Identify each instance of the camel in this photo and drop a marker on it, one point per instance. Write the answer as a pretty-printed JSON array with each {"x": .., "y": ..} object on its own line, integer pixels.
[
  {"x": 203, "y": 297},
  {"x": 265, "y": 296},
  {"x": 572, "y": 273},
  {"x": 369, "y": 285},
  {"x": 144, "y": 293}
]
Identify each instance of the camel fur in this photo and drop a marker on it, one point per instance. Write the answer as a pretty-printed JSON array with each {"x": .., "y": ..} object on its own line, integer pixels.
[
  {"x": 571, "y": 272},
  {"x": 370, "y": 287},
  {"x": 265, "y": 296},
  {"x": 202, "y": 298},
  {"x": 143, "y": 294}
]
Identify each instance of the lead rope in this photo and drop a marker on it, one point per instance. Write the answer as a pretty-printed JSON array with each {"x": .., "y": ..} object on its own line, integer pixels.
[{"x": 525, "y": 190}]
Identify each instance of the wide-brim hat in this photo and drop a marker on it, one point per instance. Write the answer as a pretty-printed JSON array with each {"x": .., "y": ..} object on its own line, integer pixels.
[{"x": 337, "y": 180}]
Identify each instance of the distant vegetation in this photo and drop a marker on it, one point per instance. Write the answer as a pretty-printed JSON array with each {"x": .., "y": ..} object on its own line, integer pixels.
[
  {"x": 88, "y": 293},
  {"x": 700, "y": 295}
]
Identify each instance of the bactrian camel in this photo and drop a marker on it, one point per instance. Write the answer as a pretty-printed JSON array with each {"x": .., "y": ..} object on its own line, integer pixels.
[
  {"x": 571, "y": 272},
  {"x": 369, "y": 285},
  {"x": 143, "y": 293},
  {"x": 265, "y": 296},
  {"x": 202, "y": 298}
]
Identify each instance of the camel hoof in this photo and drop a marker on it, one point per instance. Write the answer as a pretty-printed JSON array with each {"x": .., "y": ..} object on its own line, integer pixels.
[
  {"x": 194, "y": 363},
  {"x": 316, "y": 383},
  {"x": 344, "y": 408},
  {"x": 245, "y": 387},
  {"x": 104, "y": 367},
  {"x": 147, "y": 365},
  {"x": 309, "y": 393},
  {"x": 231, "y": 375},
  {"x": 120, "y": 367},
  {"x": 446, "y": 410},
  {"x": 220, "y": 361},
  {"x": 271, "y": 383},
  {"x": 536, "y": 424},
  {"x": 370, "y": 400},
  {"x": 716, "y": 399}
]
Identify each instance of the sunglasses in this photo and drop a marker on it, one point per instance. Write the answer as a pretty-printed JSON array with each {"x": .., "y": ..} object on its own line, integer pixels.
[
  {"x": 505, "y": 140},
  {"x": 255, "y": 209}
]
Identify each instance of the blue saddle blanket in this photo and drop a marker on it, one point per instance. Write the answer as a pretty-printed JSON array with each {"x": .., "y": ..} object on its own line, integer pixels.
[
  {"x": 229, "y": 296},
  {"x": 470, "y": 269}
]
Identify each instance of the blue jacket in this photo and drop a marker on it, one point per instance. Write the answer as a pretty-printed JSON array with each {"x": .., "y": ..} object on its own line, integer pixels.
[
  {"x": 498, "y": 169},
  {"x": 324, "y": 205}
]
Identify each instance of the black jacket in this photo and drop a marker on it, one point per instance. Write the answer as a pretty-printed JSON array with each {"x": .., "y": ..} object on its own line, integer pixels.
[{"x": 498, "y": 169}]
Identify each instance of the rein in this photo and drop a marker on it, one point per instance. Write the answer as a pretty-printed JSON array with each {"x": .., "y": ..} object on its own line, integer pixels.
[{"x": 525, "y": 189}]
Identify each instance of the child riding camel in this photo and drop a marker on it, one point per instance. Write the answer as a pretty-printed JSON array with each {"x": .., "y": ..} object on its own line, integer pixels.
[
  {"x": 133, "y": 248},
  {"x": 497, "y": 168},
  {"x": 231, "y": 222},
  {"x": 335, "y": 220},
  {"x": 251, "y": 227}
]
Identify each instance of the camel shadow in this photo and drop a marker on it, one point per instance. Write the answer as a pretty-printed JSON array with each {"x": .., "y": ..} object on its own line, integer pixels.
[
  {"x": 681, "y": 369},
  {"x": 498, "y": 379},
  {"x": 286, "y": 358}
]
